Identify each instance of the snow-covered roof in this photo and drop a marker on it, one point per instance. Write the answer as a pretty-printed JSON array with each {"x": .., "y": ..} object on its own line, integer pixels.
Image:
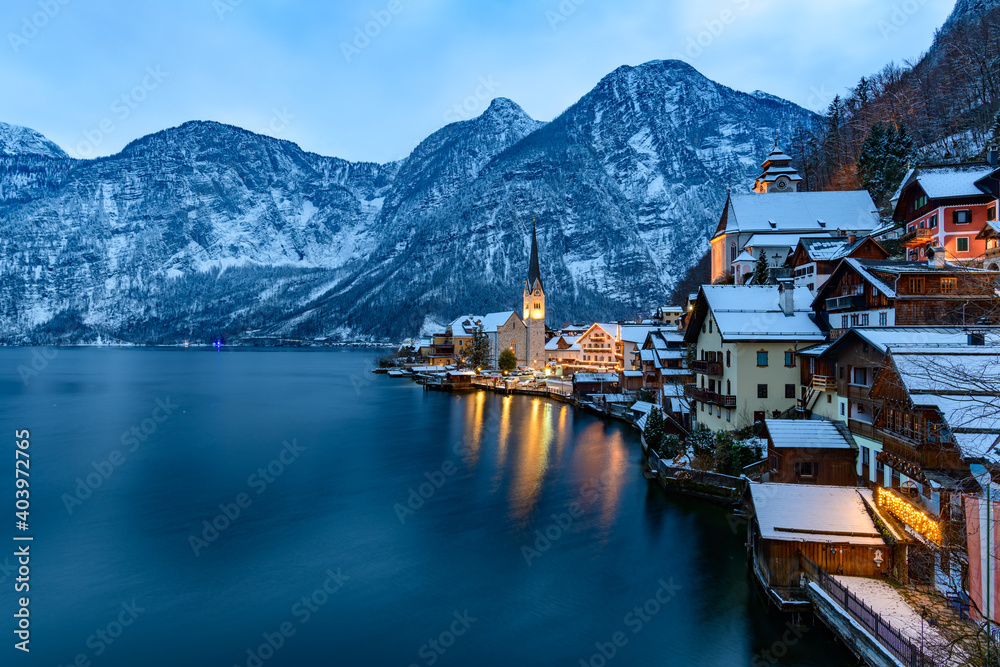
[
  {"x": 464, "y": 325},
  {"x": 947, "y": 369},
  {"x": 863, "y": 266},
  {"x": 812, "y": 433},
  {"x": 636, "y": 333},
  {"x": 744, "y": 256},
  {"x": 882, "y": 338},
  {"x": 780, "y": 240},
  {"x": 947, "y": 181},
  {"x": 802, "y": 212},
  {"x": 632, "y": 374},
  {"x": 828, "y": 249},
  {"x": 643, "y": 406},
  {"x": 813, "y": 513},
  {"x": 492, "y": 321},
  {"x": 595, "y": 377},
  {"x": 753, "y": 312}
]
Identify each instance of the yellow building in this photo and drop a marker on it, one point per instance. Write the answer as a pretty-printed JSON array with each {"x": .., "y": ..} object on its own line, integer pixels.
[{"x": 747, "y": 338}]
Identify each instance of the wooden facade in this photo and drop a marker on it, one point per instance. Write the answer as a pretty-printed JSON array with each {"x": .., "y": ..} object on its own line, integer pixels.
[{"x": 807, "y": 465}]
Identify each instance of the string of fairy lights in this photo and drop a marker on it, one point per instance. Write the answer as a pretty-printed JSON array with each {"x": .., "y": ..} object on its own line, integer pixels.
[{"x": 915, "y": 518}]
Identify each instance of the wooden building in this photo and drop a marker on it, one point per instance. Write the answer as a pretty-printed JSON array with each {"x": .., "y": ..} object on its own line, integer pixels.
[
  {"x": 830, "y": 525},
  {"x": 814, "y": 258},
  {"x": 810, "y": 451},
  {"x": 889, "y": 293}
]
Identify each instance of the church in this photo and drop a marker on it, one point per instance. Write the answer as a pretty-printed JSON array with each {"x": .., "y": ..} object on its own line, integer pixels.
[{"x": 523, "y": 334}]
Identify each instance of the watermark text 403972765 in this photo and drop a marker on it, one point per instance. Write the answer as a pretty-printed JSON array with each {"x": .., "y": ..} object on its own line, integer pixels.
[{"x": 22, "y": 541}]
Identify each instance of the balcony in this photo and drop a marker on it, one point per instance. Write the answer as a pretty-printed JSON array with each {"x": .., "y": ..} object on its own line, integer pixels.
[
  {"x": 917, "y": 436},
  {"x": 713, "y": 398},
  {"x": 824, "y": 383},
  {"x": 916, "y": 238},
  {"x": 864, "y": 429},
  {"x": 849, "y": 302},
  {"x": 707, "y": 367}
]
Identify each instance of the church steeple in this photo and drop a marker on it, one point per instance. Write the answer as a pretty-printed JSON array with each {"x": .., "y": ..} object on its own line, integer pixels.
[
  {"x": 778, "y": 173},
  {"x": 534, "y": 273}
]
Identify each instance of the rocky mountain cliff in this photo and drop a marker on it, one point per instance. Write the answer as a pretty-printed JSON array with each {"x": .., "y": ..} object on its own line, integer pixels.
[{"x": 209, "y": 230}]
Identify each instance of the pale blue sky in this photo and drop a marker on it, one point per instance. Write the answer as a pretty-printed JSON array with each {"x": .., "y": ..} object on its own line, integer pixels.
[{"x": 281, "y": 68}]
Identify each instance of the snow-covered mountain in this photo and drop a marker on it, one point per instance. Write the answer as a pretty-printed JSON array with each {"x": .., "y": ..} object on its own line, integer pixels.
[
  {"x": 207, "y": 229},
  {"x": 17, "y": 140}
]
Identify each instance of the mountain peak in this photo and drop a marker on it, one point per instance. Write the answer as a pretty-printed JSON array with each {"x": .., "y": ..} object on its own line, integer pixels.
[
  {"x": 17, "y": 140},
  {"x": 506, "y": 109}
]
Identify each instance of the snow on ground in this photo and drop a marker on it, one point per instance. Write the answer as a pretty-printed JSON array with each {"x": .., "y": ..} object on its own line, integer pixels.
[{"x": 885, "y": 600}]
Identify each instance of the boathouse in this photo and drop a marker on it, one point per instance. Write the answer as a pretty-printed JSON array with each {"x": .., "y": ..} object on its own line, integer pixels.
[
  {"x": 830, "y": 525},
  {"x": 810, "y": 451}
]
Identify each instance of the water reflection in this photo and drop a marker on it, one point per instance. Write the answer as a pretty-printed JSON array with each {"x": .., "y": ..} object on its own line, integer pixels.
[{"x": 532, "y": 461}]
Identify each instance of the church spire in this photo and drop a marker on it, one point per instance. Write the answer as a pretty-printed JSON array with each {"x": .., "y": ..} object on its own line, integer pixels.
[{"x": 534, "y": 272}]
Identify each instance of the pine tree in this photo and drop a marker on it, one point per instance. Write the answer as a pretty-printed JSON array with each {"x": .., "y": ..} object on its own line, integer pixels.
[
  {"x": 761, "y": 271},
  {"x": 885, "y": 156},
  {"x": 653, "y": 433},
  {"x": 479, "y": 349},
  {"x": 507, "y": 360}
]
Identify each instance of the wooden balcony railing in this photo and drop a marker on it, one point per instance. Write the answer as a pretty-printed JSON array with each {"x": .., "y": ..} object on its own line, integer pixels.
[
  {"x": 715, "y": 399},
  {"x": 823, "y": 383},
  {"x": 707, "y": 367},
  {"x": 916, "y": 238}
]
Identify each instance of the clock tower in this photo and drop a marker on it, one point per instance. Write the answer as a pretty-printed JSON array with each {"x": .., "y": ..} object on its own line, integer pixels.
[
  {"x": 534, "y": 309},
  {"x": 778, "y": 173}
]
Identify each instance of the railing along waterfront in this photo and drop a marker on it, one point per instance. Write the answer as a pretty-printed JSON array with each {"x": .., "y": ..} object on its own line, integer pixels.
[{"x": 885, "y": 634}]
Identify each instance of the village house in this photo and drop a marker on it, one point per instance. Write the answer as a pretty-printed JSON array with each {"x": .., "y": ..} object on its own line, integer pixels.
[
  {"x": 947, "y": 206},
  {"x": 868, "y": 292},
  {"x": 585, "y": 384},
  {"x": 747, "y": 339},
  {"x": 662, "y": 359},
  {"x": 837, "y": 380},
  {"x": 668, "y": 316},
  {"x": 814, "y": 259},
  {"x": 599, "y": 348},
  {"x": 503, "y": 330},
  {"x": 832, "y": 526},
  {"x": 937, "y": 414},
  {"x": 563, "y": 350},
  {"x": 773, "y": 224},
  {"x": 810, "y": 451}
]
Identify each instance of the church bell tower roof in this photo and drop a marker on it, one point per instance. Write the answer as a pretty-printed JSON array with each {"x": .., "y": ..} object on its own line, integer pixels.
[{"x": 534, "y": 272}]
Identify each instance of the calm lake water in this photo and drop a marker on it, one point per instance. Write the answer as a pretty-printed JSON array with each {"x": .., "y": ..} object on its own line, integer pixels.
[{"x": 378, "y": 524}]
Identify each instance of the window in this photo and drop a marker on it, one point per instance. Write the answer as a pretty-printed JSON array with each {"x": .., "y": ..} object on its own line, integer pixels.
[
  {"x": 513, "y": 347},
  {"x": 758, "y": 416},
  {"x": 861, "y": 376},
  {"x": 962, "y": 217},
  {"x": 917, "y": 285},
  {"x": 806, "y": 469},
  {"x": 923, "y": 224},
  {"x": 732, "y": 252},
  {"x": 702, "y": 407},
  {"x": 729, "y": 414},
  {"x": 710, "y": 330},
  {"x": 883, "y": 319},
  {"x": 762, "y": 391},
  {"x": 949, "y": 285},
  {"x": 880, "y": 468},
  {"x": 840, "y": 371},
  {"x": 762, "y": 358},
  {"x": 933, "y": 223},
  {"x": 829, "y": 397},
  {"x": 789, "y": 391},
  {"x": 843, "y": 321},
  {"x": 729, "y": 357},
  {"x": 854, "y": 319},
  {"x": 920, "y": 202},
  {"x": 842, "y": 411},
  {"x": 991, "y": 213},
  {"x": 729, "y": 391},
  {"x": 864, "y": 319},
  {"x": 865, "y": 456},
  {"x": 789, "y": 358},
  {"x": 962, "y": 244}
]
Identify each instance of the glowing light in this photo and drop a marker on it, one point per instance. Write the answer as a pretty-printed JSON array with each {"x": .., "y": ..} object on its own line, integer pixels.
[
  {"x": 915, "y": 518},
  {"x": 218, "y": 344}
]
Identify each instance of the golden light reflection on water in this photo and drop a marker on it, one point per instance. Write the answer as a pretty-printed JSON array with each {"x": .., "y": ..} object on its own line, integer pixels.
[
  {"x": 533, "y": 458},
  {"x": 474, "y": 427}
]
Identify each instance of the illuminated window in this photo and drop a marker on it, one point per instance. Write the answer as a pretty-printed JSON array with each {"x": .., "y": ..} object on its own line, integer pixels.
[{"x": 949, "y": 285}]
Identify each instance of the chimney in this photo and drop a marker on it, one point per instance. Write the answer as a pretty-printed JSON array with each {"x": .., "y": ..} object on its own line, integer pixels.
[
  {"x": 991, "y": 156},
  {"x": 935, "y": 257},
  {"x": 852, "y": 239},
  {"x": 786, "y": 296}
]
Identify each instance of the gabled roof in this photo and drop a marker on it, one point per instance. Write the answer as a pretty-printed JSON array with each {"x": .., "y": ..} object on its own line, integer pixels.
[
  {"x": 813, "y": 513},
  {"x": 812, "y": 433},
  {"x": 804, "y": 212},
  {"x": 780, "y": 240},
  {"x": 947, "y": 181},
  {"x": 492, "y": 321},
  {"x": 753, "y": 312},
  {"x": 882, "y": 338},
  {"x": 464, "y": 325},
  {"x": 834, "y": 248}
]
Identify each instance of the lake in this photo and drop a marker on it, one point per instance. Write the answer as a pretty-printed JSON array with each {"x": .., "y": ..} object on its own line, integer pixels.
[{"x": 288, "y": 507}]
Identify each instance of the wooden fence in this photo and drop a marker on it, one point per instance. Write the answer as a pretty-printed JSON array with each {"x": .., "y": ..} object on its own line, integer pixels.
[{"x": 889, "y": 637}]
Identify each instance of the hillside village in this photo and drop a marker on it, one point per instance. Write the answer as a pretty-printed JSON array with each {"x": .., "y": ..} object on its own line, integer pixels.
[{"x": 838, "y": 380}]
